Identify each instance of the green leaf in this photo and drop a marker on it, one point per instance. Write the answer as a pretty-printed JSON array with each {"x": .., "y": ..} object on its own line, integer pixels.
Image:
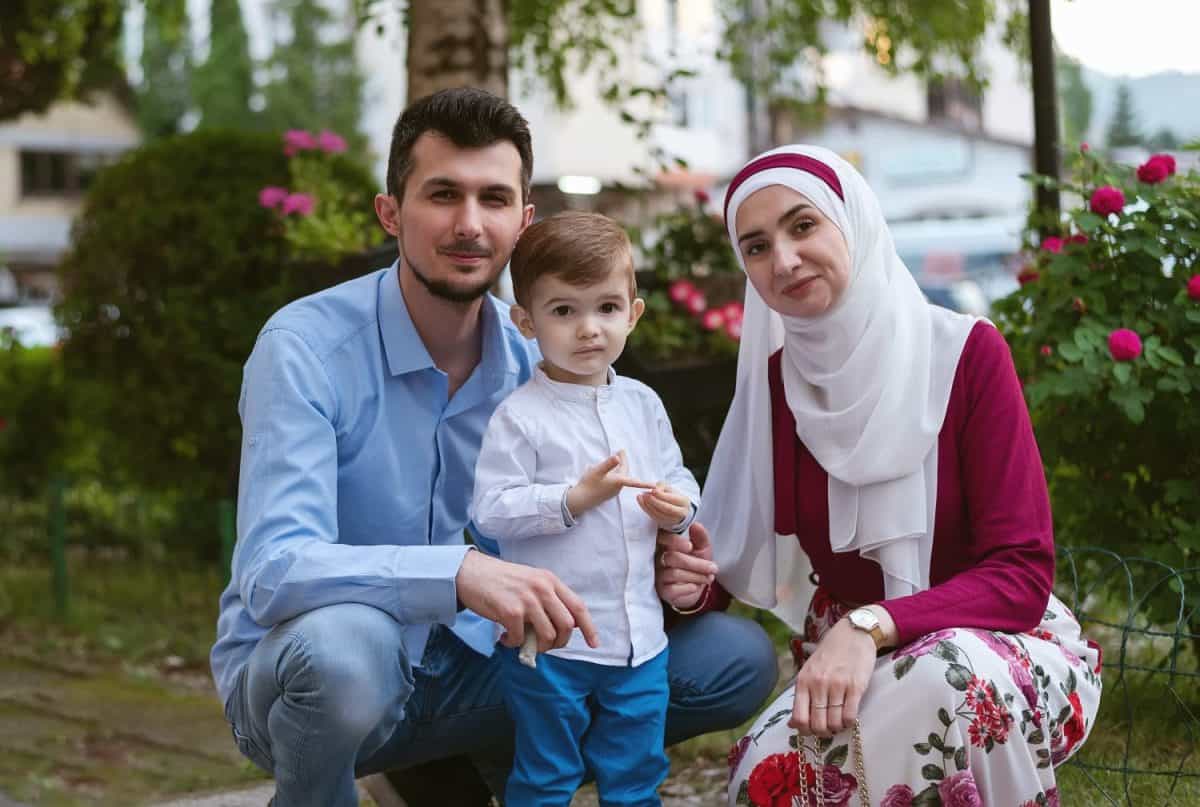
[
  {"x": 1088, "y": 222},
  {"x": 837, "y": 757},
  {"x": 932, "y": 772},
  {"x": 1123, "y": 372},
  {"x": 944, "y": 716},
  {"x": 946, "y": 651},
  {"x": 1070, "y": 351},
  {"x": 958, "y": 677},
  {"x": 901, "y": 667},
  {"x": 928, "y": 798},
  {"x": 1171, "y": 355},
  {"x": 960, "y": 758},
  {"x": 921, "y": 748}
]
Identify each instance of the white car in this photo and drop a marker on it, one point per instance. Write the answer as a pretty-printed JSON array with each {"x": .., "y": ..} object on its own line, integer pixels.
[{"x": 31, "y": 325}]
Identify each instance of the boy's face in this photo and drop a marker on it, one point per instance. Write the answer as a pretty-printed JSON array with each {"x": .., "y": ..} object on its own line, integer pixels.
[{"x": 580, "y": 329}]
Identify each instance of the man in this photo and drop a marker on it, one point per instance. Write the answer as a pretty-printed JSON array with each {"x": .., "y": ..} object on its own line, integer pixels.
[{"x": 354, "y": 636}]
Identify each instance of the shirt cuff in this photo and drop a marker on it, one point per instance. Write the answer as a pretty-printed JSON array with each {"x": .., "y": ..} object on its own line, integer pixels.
[
  {"x": 568, "y": 519},
  {"x": 685, "y": 522}
]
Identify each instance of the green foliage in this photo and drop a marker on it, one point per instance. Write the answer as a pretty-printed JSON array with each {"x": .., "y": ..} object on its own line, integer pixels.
[
  {"x": 34, "y": 410},
  {"x": 1118, "y": 437},
  {"x": 222, "y": 86},
  {"x": 174, "y": 268},
  {"x": 1123, "y": 128},
  {"x": 163, "y": 96},
  {"x": 1076, "y": 98},
  {"x": 687, "y": 245},
  {"x": 52, "y": 49},
  {"x": 315, "y": 81}
]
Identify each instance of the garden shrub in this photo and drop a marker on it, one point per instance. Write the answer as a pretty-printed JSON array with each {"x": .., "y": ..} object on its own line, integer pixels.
[
  {"x": 1105, "y": 333},
  {"x": 33, "y": 417},
  {"x": 174, "y": 267}
]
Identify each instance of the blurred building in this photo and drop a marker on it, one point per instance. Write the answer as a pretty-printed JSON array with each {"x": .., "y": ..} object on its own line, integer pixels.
[{"x": 47, "y": 161}]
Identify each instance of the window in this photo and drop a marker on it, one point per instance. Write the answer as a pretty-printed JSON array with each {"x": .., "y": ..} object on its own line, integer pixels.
[
  {"x": 59, "y": 173},
  {"x": 953, "y": 100}
]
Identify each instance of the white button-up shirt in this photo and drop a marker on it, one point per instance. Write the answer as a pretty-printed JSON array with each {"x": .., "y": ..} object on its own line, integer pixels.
[{"x": 539, "y": 442}]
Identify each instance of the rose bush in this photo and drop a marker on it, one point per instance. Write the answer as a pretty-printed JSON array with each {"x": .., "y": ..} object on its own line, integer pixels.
[{"x": 1105, "y": 334}]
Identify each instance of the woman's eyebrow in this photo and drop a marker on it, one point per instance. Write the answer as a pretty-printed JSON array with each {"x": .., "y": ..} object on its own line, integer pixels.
[{"x": 792, "y": 211}]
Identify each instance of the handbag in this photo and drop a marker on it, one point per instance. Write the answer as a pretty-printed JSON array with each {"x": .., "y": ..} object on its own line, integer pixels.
[{"x": 805, "y": 799}]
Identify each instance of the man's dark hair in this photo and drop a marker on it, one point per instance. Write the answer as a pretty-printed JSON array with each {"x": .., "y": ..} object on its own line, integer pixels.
[{"x": 469, "y": 118}]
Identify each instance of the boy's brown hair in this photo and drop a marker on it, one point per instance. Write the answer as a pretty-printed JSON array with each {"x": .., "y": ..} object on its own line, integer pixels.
[{"x": 576, "y": 247}]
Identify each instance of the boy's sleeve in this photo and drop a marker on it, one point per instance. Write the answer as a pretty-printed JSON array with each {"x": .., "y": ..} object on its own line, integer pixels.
[
  {"x": 508, "y": 505},
  {"x": 670, "y": 462}
]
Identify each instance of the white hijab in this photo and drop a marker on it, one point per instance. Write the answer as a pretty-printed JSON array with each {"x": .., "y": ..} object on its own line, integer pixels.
[{"x": 868, "y": 383}]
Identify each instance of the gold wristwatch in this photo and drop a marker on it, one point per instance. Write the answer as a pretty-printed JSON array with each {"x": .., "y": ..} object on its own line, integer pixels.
[{"x": 864, "y": 619}]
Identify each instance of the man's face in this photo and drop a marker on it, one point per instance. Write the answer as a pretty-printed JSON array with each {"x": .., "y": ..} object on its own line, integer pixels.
[{"x": 460, "y": 216}]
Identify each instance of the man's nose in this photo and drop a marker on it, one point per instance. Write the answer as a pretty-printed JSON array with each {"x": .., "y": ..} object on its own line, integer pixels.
[{"x": 469, "y": 222}]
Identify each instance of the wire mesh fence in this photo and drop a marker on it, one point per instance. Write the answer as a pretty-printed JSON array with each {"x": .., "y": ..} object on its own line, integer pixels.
[{"x": 1145, "y": 615}]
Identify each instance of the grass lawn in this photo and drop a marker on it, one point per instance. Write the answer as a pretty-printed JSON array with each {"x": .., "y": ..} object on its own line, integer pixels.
[{"x": 113, "y": 705}]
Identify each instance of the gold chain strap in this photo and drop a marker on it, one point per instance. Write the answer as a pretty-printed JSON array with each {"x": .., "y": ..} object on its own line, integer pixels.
[{"x": 864, "y": 794}]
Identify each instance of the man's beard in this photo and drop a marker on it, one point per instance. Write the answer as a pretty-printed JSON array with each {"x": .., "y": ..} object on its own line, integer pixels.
[{"x": 440, "y": 288}]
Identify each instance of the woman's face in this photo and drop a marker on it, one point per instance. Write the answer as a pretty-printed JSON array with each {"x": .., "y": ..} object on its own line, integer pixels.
[{"x": 796, "y": 257}]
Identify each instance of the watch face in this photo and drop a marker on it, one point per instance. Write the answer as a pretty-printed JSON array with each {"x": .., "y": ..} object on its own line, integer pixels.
[{"x": 863, "y": 619}]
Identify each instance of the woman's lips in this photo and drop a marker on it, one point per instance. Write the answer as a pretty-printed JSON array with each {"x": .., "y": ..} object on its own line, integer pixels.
[{"x": 800, "y": 287}]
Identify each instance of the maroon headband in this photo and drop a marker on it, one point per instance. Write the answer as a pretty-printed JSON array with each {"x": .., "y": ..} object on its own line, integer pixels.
[{"x": 800, "y": 162}]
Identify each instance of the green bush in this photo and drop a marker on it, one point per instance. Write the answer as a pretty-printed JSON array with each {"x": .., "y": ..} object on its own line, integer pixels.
[
  {"x": 1105, "y": 332},
  {"x": 34, "y": 411},
  {"x": 173, "y": 269}
]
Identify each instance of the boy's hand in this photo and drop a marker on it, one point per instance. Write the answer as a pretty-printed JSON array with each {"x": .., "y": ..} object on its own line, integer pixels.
[
  {"x": 600, "y": 483},
  {"x": 665, "y": 505}
]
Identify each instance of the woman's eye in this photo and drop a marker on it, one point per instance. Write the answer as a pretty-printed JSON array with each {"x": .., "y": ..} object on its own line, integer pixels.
[
  {"x": 804, "y": 224},
  {"x": 754, "y": 249}
]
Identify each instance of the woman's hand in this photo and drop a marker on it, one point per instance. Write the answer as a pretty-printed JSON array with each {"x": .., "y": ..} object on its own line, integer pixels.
[{"x": 832, "y": 681}]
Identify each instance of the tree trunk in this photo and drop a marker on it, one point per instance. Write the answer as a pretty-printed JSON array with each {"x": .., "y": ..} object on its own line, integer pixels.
[{"x": 456, "y": 43}]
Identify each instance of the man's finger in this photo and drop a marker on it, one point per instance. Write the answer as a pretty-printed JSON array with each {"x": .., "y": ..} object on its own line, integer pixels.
[
  {"x": 672, "y": 541},
  {"x": 579, "y": 612},
  {"x": 690, "y": 563},
  {"x": 699, "y": 535}
]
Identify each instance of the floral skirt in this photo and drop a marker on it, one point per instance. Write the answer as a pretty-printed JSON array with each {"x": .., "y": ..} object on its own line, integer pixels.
[{"x": 959, "y": 717}]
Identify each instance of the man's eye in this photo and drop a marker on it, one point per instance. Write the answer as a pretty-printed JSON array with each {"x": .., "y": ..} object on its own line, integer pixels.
[
  {"x": 496, "y": 201},
  {"x": 442, "y": 195}
]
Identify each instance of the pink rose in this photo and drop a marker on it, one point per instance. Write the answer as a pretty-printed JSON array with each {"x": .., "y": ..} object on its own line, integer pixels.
[
  {"x": 839, "y": 787},
  {"x": 1047, "y": 350},
  {"x": 733, "y": 329},
  {"x": 923, "y": 645},
  {"x": 1052, "y": 797},
  {"x": 1193, "y": 287},
  {"x": 897, "y": 796},
  {"x": 1166, "y": 161},
  {"x": 1028, "y": 275},
  {"x": 331, "y": 142},
  {"x": 680, "y": 291},
  {"x": 733, "y": 311},
  {"x": 297, "y": 140},
  {"x": 712, "y": 320},
  {"x": 1084, "y": 148},
  {"x": 1052, "y": 244},
  {"x": 271, "y": 196},
  {"x": 299, "y": 203},
  {"x": 696, "y": 302},
  {"x": 959, "y": 790},
  {"x": 1124, "y": 344},
  {"x": 1107, "y": 200},
  {"x": 1152, "y": 171}
]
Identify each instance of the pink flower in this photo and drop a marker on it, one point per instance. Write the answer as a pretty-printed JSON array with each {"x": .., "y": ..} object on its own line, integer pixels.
[
  {"x": 1124, "y": 345},
  {"x": 733, "y": 329},
  {"x": 696, "y": 302},
  {"x": 897, "y": 796},
  {"x": 1193, "y": 287},
  {"x": 331, "y": 142},
  {"x": 680, "y": 291},
  {"x": 923, "y": 645},
  {"x": 1107, "y": 200},
  {"x": 733, "y": 311},
  {"x": 839, "y": 787},
  {"x": 959, "y": 790},
  {"x": 1052, "y": 797},
  {"x": 1047, "y": 350},
  {"x": 712, "y": 320},
  {"x": 297, "y": 140},
  {"x": 1028, "y": 275},
  {"x": 702, "y": 197},
  {"x": 299, "y": 203},
  {"x": 271, "y": 196},
  {"x": 1078, "y": 238},
  {"x": 1052, "y": 244},
  {"x": 1152, "y": 172},
  {"x": 1084, "y": 148}
]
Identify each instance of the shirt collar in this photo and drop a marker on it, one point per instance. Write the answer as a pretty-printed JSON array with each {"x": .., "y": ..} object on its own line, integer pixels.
[
  {"x": 574, "y": 392},
  {"x": 406, "y": 353}
]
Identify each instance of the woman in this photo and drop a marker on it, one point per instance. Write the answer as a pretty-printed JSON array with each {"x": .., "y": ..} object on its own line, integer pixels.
[{"x": 889, "y": 442}]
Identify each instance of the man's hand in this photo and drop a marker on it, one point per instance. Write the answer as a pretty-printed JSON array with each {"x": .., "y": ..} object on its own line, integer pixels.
[
  {"x": 514, "y": 595},
  {"x": 600, "y": 483},
  {"x": 665, "y": 505},
  {"x": 685, "y": 566}
]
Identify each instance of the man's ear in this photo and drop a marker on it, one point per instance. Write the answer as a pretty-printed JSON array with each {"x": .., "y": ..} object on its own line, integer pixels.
[
  {"x": 523, "y": 321},
  {"x": 387, "y": 210},
  {"x": 635, "y": 311},
  {"x": 526, "y": 218}
]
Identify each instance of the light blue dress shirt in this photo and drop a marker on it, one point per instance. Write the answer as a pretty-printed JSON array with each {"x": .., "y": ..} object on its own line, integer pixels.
[{"x": 357, "y": 468}]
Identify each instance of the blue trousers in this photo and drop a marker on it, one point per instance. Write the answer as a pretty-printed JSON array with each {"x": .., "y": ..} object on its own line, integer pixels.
[
  {"x": 332, "y": 695},
  {"x": 573, "y": 717}
]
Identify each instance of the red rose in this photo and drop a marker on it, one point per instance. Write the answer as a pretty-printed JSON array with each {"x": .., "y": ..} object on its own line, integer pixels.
[
  {"x": 733, "y": 311},
  {"x": 839, "y": 787},
  {"x": 696, "y": 302},
  {"x": 702, "y": 197},
  {"x": 1078, "y": 238},
  {"x": 1152, "y": 172},
  {"x": 1165, "y": 160},
  {"x": 775, "y": 781},
  {"x": 1052, "y": 244},
  {"x": 1124, "y": 345},
  {"x": 1047, "y": 350},
  {"x": 1193, "y": 287},
  {"x": 897, "y": 796},
  {"x": 1074, "y": 728},
  {"x": 1107, "y": 200},
  {"x": 1028, "y": 275},
  {"x": 1052, "y": 797},
  {"x": 960, "y": 790},
  {"x": 1084, "y": 147},
  {"x": 680, "y": 291},
  {"x": 712, "y": 320}
]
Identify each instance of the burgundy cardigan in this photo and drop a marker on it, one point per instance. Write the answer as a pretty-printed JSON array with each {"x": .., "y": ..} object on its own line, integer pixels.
[{"x": 993, "y": 543}]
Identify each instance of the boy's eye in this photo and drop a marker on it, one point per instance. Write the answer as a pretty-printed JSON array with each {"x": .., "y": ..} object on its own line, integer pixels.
[
  {"x": 561, "y": 310},
  {"x": 609, "y": 308}
]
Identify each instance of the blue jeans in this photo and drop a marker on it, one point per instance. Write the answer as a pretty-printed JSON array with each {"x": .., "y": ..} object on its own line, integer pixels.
[
  {"x": 332, "y": 695},
  {"x": 574, "y": 716}
]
